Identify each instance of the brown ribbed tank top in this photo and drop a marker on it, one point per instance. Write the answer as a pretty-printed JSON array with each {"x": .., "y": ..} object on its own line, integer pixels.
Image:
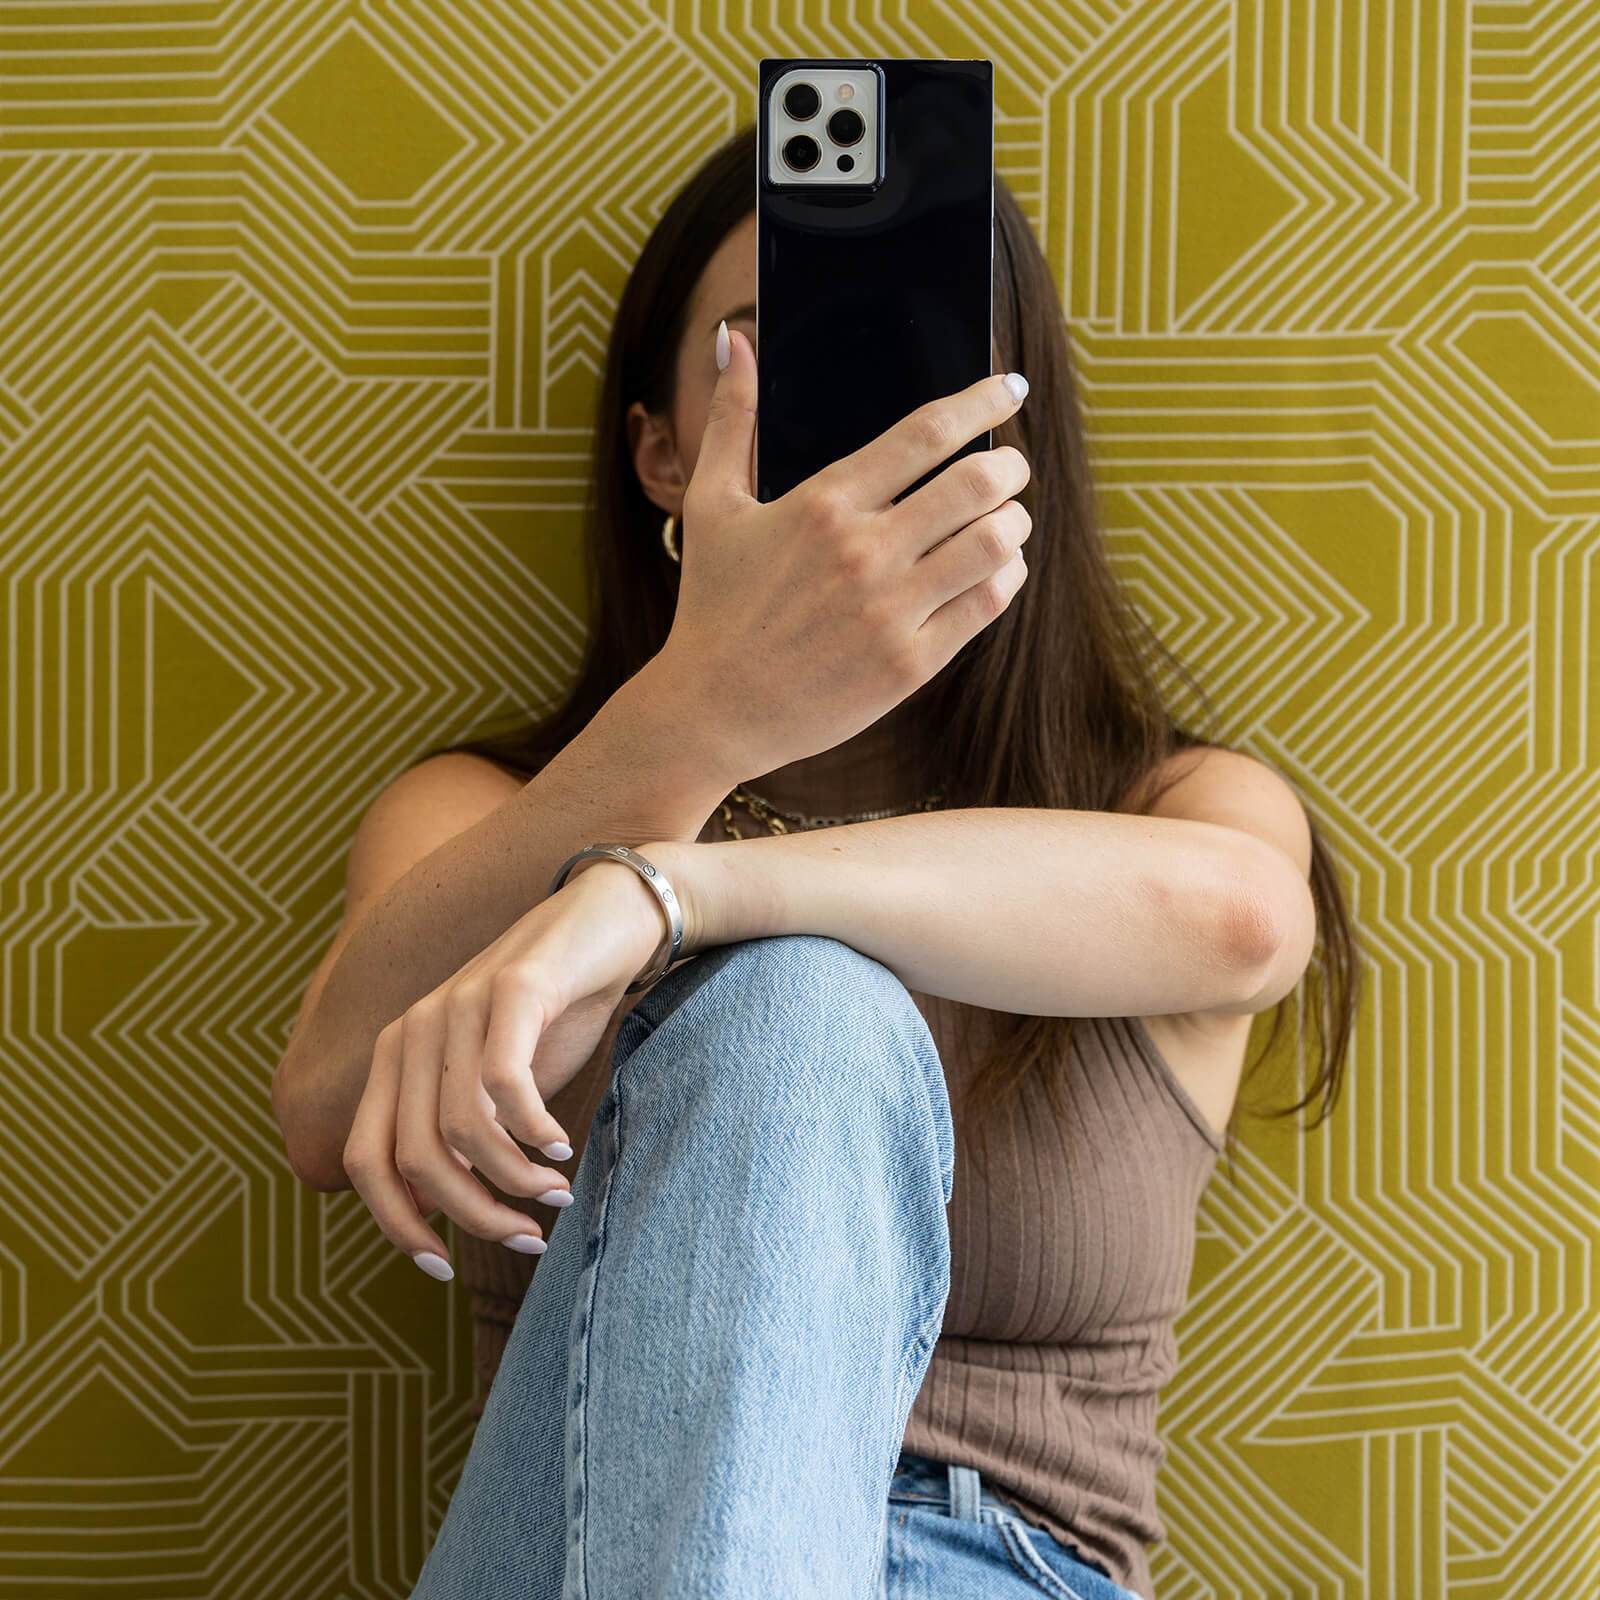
[{"x": 1068, "y": 1263}]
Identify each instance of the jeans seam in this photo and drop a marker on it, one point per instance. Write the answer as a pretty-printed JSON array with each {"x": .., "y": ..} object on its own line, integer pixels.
[
  {"x": 889, "y": 1583},
  {"x": 1027, "y": 1560},
  {"x": 921, "y": 1345},
  {"x": 575, "y": 1585}
]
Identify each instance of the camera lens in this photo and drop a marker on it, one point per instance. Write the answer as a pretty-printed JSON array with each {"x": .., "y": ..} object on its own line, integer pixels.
[
  {"x": 801, "y": 101},
  {"x": 845, "y": 127},
  {"x": 802, "y": 152}
]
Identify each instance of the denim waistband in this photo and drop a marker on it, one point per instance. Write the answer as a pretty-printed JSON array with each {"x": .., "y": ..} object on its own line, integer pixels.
[{"x": 960, "y": 1490}]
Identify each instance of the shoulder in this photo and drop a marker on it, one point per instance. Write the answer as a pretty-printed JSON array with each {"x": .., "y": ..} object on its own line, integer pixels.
[
  {"x": 419, "y": 809},
  {"x": 1230, "y": 789},
  {"x": 409, "y": 818},
  {"x": 455, "y": 782}
]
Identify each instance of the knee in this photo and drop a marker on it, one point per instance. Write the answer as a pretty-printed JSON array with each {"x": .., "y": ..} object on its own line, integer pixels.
[
  {"x": 797, "y": 1027},
  {"x": 798, "y": 975},
  {"x": 799, "y": 984}
]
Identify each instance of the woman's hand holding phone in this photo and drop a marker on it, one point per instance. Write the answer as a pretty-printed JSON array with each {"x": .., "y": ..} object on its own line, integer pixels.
[{"x": 832, "y": 604}]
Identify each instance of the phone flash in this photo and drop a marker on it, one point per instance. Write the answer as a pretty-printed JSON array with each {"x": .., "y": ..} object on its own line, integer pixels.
[{"x": 847, "y": 91}]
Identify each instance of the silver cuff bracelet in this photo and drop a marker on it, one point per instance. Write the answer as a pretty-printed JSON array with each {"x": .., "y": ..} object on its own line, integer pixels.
[{"x": 659, "y": 887}]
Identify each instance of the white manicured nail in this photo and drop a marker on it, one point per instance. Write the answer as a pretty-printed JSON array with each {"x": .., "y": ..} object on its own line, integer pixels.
[
  {"x": 1018, "y": 386},
  {"x": 530, "y": 1244},
  {"x": 434, "y": 1265},
  {"x": 557, "y": 1150},
  {"x": 724, "y": 350},
  {"x": 557, "y": 1197}
]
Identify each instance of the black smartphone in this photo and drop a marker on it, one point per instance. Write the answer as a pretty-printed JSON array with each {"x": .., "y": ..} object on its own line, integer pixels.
[{"x": 874, "y": 252}]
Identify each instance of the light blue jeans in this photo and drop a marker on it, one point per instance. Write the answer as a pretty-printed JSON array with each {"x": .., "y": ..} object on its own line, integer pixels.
[{"x": 706, "y": 1388}]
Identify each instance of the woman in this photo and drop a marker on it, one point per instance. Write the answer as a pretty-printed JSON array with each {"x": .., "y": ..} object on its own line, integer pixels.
[{"x": 884, "y": 1199}]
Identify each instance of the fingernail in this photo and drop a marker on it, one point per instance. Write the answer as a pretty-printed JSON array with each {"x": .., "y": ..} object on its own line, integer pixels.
[
  {"x": 530, "y": 1244},
  {"x": 557, "y": 1197},
  {"x": 434, "y": 1265},
  {"x": 557, "y": 1150},
  {"x": 724, "y": 352},
  {"x": 1018, "y": 385}
]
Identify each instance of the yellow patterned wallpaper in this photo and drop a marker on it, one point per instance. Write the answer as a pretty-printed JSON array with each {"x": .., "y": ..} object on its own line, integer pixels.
[{"x": 301, "y": 306}]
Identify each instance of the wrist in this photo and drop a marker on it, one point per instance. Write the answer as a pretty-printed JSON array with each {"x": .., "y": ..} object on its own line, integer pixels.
[
  {"x": 679, "y": 863},
  {"x": 660, "y": 711},
  {"x": 639, "y": 917},
  {"x": 724, "y": 889}
]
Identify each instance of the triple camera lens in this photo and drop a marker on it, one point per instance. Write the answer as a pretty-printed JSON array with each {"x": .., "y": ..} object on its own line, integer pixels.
[{"x": 801, "y": 152}]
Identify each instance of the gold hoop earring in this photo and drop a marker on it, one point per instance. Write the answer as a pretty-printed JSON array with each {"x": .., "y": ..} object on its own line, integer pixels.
[{"x": 668, "y": 528}]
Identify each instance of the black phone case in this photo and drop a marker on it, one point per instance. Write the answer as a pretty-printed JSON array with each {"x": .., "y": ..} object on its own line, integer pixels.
[{"x": 872, "y": 300}]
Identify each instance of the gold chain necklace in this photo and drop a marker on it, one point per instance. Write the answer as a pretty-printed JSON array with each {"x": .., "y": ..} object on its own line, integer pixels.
[{"x": 777, "y": 820}]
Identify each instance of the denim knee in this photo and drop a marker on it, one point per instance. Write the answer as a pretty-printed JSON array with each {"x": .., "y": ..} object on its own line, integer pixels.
[{"x": 798, "y": 1015}]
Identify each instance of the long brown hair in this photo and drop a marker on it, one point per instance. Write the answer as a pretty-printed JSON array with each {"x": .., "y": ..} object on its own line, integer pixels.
[{"x": 1055, "y": 703}]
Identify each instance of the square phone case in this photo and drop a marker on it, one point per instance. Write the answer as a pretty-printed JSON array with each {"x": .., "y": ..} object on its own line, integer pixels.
[{"x": 873, "y": 299}]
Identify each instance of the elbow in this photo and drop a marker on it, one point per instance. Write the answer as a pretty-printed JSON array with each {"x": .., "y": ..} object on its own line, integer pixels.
[
  {"x": 1268, "y": 926},
  {"x": 313, "y": 1159}
]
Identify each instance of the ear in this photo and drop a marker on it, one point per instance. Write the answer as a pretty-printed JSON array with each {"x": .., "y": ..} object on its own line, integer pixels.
[{"x": 655, "y": 459}]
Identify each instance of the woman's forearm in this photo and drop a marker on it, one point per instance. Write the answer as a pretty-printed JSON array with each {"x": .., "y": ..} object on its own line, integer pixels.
[
  {"x": 1043, "y": 912},
  {"x": 635, "y": 772}
]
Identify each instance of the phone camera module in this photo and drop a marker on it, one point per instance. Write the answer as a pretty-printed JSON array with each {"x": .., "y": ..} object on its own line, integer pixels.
[
  {"x": 801, "y": 102},
  {"x": 845, "y": 127},
  {"x": 821, "y": 125},
  {"x": 802, "y": 152}
]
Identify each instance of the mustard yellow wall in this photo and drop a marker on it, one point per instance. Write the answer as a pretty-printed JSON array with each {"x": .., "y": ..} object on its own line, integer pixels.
[{"x": 301, "y": 307}]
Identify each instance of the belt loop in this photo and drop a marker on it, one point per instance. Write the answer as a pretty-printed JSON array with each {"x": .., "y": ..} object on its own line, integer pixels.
[{"x": 965, "y": 1491}]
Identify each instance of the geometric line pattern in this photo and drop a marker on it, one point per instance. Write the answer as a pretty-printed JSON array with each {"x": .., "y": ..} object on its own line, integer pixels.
[{"x": 301, "y": 323}]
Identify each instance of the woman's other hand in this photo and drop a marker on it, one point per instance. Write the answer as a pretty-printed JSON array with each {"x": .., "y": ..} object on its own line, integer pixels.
[
  {"x": 832, "y": 604},
  {"x": 463, "y": 1075}
]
